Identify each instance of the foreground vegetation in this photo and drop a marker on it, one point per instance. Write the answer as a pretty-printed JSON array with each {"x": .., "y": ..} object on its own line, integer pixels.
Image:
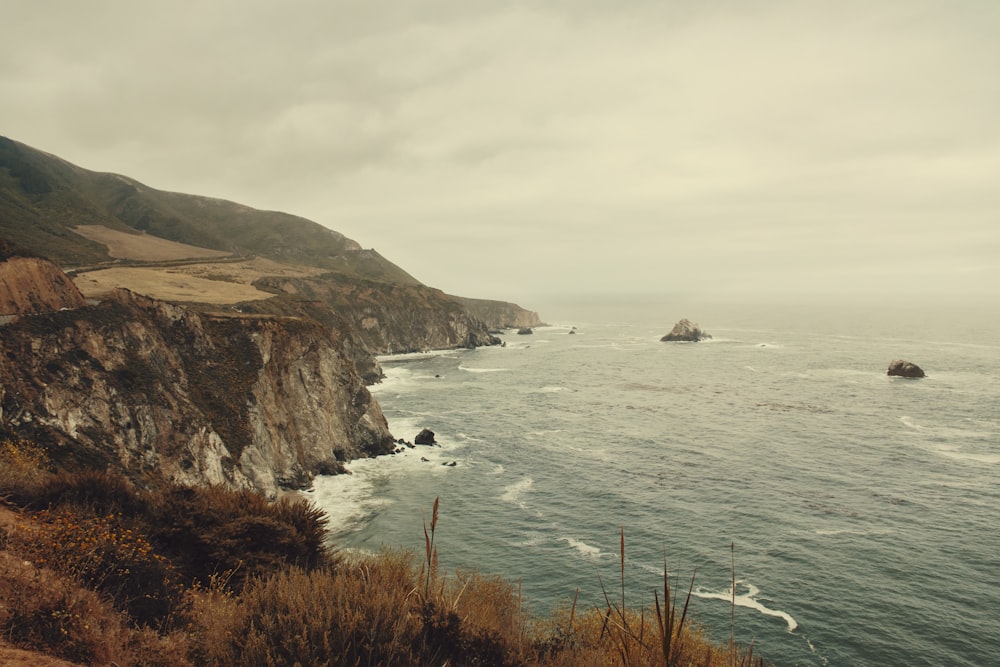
[{"x": 94, "y": 571}]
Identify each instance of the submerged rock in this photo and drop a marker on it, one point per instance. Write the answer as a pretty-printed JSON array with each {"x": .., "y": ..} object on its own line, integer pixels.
[
  {"x": 685, "y": 330},
  {"x": 906, "y": 369}
]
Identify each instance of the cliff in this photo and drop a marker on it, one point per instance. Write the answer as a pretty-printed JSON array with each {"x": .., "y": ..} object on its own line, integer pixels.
[
  {"x": 499, "y": 314},
  {"x": 34, "y": 285},
  {"x": 390, "y": 318},
  {"x": 91, "y": 221},
  {"x": 165, "y": 393}
]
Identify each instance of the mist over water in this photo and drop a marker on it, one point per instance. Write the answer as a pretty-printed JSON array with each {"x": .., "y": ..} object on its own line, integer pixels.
[{"x": 862, "y": 509}]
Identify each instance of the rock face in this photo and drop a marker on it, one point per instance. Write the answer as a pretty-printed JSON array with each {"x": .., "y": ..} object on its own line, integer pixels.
[
  {"x": 391, "y": 318},
  {"x": 500, "y": 314},
  {"x": 903, "y": 368},
  {"x": 685, "y": 330},
  {"x": 161, "y": 392},
  {"x": 30, "y": 285}
]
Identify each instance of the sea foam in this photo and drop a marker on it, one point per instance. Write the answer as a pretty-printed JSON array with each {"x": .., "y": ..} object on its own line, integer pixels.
[{"x": 748, "y": 600}]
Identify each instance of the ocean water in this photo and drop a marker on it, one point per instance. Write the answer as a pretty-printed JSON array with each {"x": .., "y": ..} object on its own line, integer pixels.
[{"x": 862, "y": 512}]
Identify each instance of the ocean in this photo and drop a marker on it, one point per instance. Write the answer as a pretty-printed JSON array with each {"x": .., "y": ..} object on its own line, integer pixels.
[{"x": 860, "y": 512}]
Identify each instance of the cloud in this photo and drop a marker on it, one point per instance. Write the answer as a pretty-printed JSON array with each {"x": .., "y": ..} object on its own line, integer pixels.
[{"x": 591, "y": 145}]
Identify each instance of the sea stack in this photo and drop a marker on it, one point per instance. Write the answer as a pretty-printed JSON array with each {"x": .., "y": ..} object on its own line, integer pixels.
[
  {"x": 903, "y": 368},
  {"x": 687, "y": 331}
]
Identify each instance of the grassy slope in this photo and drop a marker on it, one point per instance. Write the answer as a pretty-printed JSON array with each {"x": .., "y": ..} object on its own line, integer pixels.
[{"x": 42, "y": 198}]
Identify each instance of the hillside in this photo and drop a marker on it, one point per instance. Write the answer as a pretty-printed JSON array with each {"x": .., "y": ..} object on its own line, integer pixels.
[{"x": 88, "y": 222}]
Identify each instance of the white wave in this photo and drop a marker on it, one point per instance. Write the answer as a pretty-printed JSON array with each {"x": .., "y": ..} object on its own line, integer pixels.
[
  {"x": 409, "y": 356},
  {"x": 584, "y": 548},
  {"x": 482, "y": 370},
  {"x": 830, "y": 532},
  {"x": 513, "y": 493},
  {"x": 750, "y": 601},
  {"x": 346, "y": 499},
  {"x": 548, "y": 389},
  {"x": 970, "y": 457},
  {"x": 499, "y": 469},
  {"x": 954, "y": 443}
]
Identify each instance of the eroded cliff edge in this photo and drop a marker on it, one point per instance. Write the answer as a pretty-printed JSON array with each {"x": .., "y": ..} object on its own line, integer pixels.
[{"x": 165, "y": 393}]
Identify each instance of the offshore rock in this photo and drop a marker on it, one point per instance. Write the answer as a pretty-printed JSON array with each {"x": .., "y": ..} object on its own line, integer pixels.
[
  {"x": 903, "y": 368},
  {"x": 165, "y": 394},
  {"x": 425, "y": 437},
  {"x": 685, "y": 330}
]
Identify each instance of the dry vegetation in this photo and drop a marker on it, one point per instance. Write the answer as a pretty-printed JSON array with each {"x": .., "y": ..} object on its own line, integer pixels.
[
  {"x": 225, "y": 280},
  {"x": 143, "y": 247},
  {"x": 96, "y": 572}
]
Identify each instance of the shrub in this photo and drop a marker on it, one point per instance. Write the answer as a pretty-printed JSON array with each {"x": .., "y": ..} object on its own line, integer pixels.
[
  {"x": 102, "y": 492},
  {"x": 105, "y": 553},
  {"x": 356, "y": 615},
  {"x": 214, "y": 531},
  {"x": 24, "y": 466},
  {"x": 42, "y": 611}
]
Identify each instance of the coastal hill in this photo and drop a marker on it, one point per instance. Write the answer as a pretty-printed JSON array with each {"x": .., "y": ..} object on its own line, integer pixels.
[
  {"x": 92, "y": 223},
  {"x": 182, "y": 339}
]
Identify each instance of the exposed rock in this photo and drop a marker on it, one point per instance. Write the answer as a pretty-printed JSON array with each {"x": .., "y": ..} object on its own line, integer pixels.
[
  {"x": 685, "y": 330},
  {"x": 389, "y": 318},
  {"x": 425, "y": 437},
  {"x": 498, "y": 315},
  {"x": 903, "y": 368},
  {"x": 31, "y": 285},
  {"x": 525, "y": 331},
  {"x": 161, "y": 392}
]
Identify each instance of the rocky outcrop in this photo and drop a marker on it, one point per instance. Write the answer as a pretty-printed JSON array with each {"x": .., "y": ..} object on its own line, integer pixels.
[
  {"x": 903, "y": 368},
  {"x": 499, "y": 314},
  {"x": 30, "y": 285},
  {"x": 685, "y": 330},
  {"x": 390, "y": 318},
  {"x": 425, "y": 437},
  {"x": 163, "y": 393}
]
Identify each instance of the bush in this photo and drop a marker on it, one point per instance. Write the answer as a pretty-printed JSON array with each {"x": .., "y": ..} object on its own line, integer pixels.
[
  {"x": 101, "y": 492},
  {"x": 106, "y": 554},
  {"x": 24, "y": 467},
  {"x": 216, "y": 531},
  {"x": 42, "y": 611}
]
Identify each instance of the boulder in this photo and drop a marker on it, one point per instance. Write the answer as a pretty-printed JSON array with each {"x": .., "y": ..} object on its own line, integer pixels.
[
  {"x": 425, "y": 437},
  {"x": 524, "y": 331},
  {"x": 903, "y": 368},
  {"x": 685, "y": 330}
]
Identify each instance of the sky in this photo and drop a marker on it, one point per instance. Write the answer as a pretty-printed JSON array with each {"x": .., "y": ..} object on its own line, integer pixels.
[{"x": 518, "y": 150}]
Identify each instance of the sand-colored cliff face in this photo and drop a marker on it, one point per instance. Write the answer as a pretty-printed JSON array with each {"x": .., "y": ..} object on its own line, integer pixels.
[
  {"x": 30, "y": 285},
  {"x": 164, "y": 393}
]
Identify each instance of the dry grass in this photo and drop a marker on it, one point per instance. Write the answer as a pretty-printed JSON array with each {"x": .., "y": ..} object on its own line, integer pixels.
[
  {"x": 167, "y": 284},
  {"x": 143, "y": 247},
  {"x": 106, "y": 573}
]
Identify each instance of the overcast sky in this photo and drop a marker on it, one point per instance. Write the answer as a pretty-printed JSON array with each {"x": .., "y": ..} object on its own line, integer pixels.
[{"x": 518, "y": 149}]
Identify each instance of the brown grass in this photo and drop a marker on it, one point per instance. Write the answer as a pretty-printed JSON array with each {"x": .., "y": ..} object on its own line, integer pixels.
[
  {"x": 106, "y": 573},
  {"x": 168, "y": 284},
  {"x": 143, "y": 247}
]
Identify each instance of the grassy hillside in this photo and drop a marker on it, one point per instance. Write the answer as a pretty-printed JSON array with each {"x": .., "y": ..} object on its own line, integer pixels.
[{"x": 42, "y": 198}]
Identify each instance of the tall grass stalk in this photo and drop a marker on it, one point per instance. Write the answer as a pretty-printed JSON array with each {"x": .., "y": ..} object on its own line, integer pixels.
[{"x": 431, "y": 551}]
